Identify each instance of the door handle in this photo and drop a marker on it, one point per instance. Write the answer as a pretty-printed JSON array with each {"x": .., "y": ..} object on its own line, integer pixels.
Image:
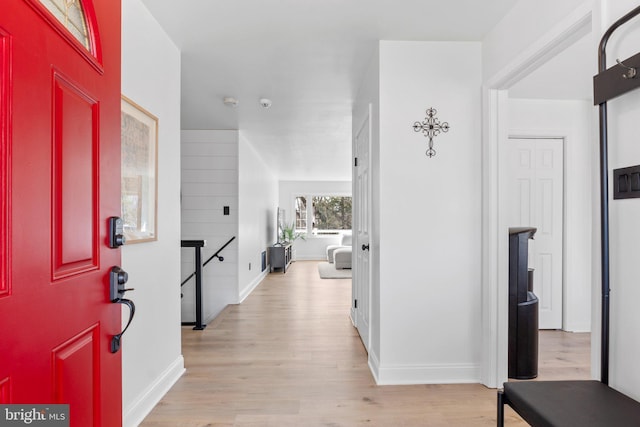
[
  {"x": 365, "y": 247},
  {"x": 115, "y": 340},
  {"x": 117, "y": 279}
]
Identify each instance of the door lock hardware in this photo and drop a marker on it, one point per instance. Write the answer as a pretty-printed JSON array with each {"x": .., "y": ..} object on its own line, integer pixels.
[
  {"x": 117, "y": 279},
  {"x": 116, "y": 232},
  {"x": 365, "y": 247}
]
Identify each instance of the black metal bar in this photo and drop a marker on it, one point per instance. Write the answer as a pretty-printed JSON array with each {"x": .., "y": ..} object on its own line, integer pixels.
[
  {"x": 602, "y": 59},
  {"x": 218, "y": 251},
  {"x": 193, "y": 243},
  {"x": 500, "y": 414},
  {"x": 199, "y": 326},
  {"x": 604, "y": 202},
  {"x": 198, "y": 245},
  {"x": 604, "y": 246},
  {"x": 208, "y": 260}
]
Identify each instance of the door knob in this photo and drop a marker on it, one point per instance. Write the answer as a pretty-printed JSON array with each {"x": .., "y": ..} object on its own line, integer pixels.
[{"x": 365, "y": 247}]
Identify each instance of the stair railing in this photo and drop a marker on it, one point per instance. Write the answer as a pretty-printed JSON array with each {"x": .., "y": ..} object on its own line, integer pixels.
[{"x": 198, "y": 245}]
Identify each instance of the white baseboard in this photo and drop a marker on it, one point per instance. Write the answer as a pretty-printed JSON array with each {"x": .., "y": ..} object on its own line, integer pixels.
[
  {"x": 254, "y": 284},
  {"x": 310, "y": 258},
  {"x": 578, "y": 328},
  {"x": 426, "y": 374},
  {"x": 148, "y": 399},
  {"x": 374, "y": 365}
]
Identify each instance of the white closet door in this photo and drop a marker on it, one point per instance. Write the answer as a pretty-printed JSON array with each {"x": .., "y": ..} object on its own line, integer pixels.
[{"x": 536, "y": 199}]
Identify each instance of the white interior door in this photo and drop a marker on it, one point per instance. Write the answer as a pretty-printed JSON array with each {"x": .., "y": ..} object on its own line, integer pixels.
[
  {"x": 362, "y": 206},
  {"x": 536, "y": 199}
]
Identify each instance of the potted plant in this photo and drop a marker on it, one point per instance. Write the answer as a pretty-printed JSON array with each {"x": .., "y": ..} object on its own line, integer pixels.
[{"x": 289, "y": 233}]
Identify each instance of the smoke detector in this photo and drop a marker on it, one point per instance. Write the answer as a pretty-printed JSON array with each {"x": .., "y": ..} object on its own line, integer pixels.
[
  {"x": 265, "y": 102},
  {"x": 230, "y": 101}
]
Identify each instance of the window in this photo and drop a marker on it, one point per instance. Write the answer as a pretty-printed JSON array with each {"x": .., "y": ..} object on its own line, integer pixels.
[
  {"x": 332, "y": 213},
  {"x": 329, "y": 214},
  {"x": 71, "y": 15},
  {"x": 301, "y": 214}
]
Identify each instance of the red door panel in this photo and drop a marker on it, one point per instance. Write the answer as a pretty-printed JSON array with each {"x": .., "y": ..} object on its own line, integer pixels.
[
  {"x": 4, "y": 390},
  {"x": 60, "y": 176},
  {"x": 75, "y": 376},
  {"x": 75, "y": 167}
]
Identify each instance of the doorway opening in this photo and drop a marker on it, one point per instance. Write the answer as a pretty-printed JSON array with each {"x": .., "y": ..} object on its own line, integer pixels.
[{"x": 530, "y": 105}]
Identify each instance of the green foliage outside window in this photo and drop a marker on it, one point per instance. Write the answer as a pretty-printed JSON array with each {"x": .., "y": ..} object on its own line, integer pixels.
[{"x": 332, "y": 213}]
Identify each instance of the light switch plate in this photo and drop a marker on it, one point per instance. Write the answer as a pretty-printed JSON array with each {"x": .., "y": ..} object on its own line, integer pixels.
[{"x": 626, "y": 183}]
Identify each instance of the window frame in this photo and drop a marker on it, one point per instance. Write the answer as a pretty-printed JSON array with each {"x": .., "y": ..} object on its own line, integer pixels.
[
  {"x": 92, "y": 54},
  {"x": 310, "y": 230}
]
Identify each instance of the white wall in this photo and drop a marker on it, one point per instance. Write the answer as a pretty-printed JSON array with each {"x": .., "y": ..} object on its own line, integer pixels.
[
  {"x": 430, "y": 232},
  {"x": 313, "y": 247},
  {"x": 151, "y": 352},
  {"x": 258, "y": 195},
  {"x": 210, "y": 182},
  {"x": 570, "y": 120},
  {"x": 624, "y": 150}
]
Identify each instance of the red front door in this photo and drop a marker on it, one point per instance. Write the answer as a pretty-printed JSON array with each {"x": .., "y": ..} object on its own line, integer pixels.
[{"x": 60, "y": 175}]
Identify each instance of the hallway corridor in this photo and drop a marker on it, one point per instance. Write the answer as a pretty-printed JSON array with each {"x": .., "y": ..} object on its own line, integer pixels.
[{"x": 289, "y": 356}]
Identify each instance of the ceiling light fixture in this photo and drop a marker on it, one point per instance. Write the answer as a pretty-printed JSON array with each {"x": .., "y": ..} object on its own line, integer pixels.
[{"x": 230, "y": 101}]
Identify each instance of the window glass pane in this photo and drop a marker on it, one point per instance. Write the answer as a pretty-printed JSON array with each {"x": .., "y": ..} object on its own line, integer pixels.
[
  {"x": 71, "y": 15},
  {"x": 301, "y": 213},
  {"x": 332, "y": 213}
]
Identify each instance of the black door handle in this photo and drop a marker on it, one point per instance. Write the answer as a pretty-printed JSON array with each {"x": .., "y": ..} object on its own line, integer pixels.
[
  {"x": 117, "y": 279},
  {"x": 115, "y": 341},
  {"x": 365, "y": 247}
]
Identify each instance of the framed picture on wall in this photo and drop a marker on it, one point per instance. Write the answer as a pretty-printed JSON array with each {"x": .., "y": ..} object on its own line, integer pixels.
[{"x": 139, "y": 186}]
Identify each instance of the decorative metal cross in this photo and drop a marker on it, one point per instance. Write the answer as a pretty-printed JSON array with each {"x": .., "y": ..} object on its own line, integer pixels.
[{"x": 431, "y": 127}]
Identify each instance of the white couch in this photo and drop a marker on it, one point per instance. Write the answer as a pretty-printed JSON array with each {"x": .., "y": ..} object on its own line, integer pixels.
[
  {"x": 343, "y": 248},
  {"x": 342, "y": 258}
]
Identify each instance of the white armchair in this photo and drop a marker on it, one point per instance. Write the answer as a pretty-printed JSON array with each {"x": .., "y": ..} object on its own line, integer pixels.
[{"x": 344, "y": 243}]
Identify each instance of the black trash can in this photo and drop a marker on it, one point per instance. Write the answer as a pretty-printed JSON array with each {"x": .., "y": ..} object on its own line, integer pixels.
[{"x": 523, "y": 307}]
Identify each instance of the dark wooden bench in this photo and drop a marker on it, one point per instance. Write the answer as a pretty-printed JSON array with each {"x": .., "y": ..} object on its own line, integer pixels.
[{"x": 569, "y": 404}]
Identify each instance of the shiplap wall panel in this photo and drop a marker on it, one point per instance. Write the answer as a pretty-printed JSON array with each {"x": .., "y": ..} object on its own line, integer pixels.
[
  {"x": 218, "y": 176},
  {"x": 208, "y": 189},
  {"x": 207, "y": 149},
  {"x": 195, "y": 216},
  {"x": 209, "y": 182},
  {"x": 210, "y": 162},
  {"x": 209, "y": 203},
  {"x": 211, "y": 229}
]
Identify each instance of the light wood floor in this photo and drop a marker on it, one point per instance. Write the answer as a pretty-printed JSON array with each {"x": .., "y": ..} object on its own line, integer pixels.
[{"x": 289, "y": 356}]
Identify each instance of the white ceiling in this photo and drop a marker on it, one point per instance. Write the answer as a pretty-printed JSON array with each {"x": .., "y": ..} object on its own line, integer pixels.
[{"x": 306, "y": 56}]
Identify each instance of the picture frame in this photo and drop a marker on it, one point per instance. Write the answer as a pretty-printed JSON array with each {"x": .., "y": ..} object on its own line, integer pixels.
[{"x": 139, "y": 173}]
